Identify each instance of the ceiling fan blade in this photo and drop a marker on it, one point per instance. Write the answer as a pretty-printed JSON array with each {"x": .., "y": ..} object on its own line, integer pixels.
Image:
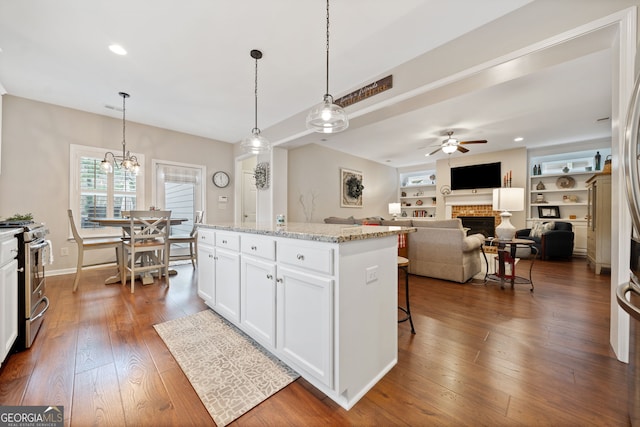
[
  {"x": 478, "y": 141},
  {"x": 462, "y": 149},
  {"x": 433, "y": 152}
]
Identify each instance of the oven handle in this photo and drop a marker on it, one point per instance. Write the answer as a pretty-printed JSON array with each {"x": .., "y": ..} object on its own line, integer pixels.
[
  {"x": 46, "y": 307},
  {"x": 38, "y": 245}
]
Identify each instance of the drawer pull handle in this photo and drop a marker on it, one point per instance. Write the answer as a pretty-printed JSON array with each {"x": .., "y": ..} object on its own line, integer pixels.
[
  {"x": 224, "y": 242},
  {"x": 254, "y": 248},
  {"x": 215, "y": 257},
  {"x": 210, "y": 256},
  {"x": 300, "y": 257},
  {"x": 269, "y": 276},
  {"x": 279, "y": 280}
]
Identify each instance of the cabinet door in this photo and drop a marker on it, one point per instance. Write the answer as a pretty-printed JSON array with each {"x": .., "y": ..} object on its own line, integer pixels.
[
  {"x": 227, "y": 284},
  {"x": 9, "y": 313},
  {"x": 206, "y": 274},
  {"x": 305, "y": 321},
  {"x": 258, "y": 307}
]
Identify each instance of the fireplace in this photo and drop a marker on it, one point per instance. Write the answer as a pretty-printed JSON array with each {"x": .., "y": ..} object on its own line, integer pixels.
[{"x": 479, "y": 224}]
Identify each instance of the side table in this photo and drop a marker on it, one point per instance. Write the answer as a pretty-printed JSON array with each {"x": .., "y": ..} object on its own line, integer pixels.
[{"x": 506, "y": 257}]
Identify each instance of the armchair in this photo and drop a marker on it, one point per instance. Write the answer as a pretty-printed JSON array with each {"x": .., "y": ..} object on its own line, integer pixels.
[{"x": 553, "y": 239}]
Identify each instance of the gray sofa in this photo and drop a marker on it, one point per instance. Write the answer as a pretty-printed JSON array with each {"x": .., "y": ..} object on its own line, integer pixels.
[{"x": 439, "y": 248}]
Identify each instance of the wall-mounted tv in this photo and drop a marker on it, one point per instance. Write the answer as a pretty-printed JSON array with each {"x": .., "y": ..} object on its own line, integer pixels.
[{"x": 487, "y": 175}]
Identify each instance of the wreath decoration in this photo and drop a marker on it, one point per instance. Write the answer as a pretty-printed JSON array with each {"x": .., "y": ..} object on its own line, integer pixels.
[
  {"x": 354, "y": 187},
  {"x": 261, "y": 175}
]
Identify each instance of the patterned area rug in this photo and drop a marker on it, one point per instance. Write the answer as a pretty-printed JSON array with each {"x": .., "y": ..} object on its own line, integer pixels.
[{"x": 239, "y": 372}]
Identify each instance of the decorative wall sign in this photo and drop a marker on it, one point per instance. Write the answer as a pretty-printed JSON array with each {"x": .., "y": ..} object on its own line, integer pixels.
[
  {"x": 351, "y": 189},
  {"x": 261, "y": 175},
  {"x": 366, "y": 92}
]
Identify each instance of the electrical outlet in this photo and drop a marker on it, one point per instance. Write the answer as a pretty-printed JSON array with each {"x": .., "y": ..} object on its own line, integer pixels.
[
  {"x": 64, "y": 251},
  {"x": 371, "y": 274}
]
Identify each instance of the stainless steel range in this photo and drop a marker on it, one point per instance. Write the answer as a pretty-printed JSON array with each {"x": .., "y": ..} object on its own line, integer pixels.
[{"x": 32, "y": 300}]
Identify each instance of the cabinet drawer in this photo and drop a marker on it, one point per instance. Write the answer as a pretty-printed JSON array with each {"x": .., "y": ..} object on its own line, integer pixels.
[
  {"x": 206, "y": 236},
  {"x": 8, "y": 250},
  {"x": 263, "y": 247},
  {"x": 228, "y": 240},
  {"x": 308, "y": 257}
]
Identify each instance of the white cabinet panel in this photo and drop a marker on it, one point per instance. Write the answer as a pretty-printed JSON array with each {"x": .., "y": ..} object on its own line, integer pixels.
[
  {"x": 309, "y": 257},
  {"x": 206, "y": 273},
  {"x": 259, "y": 246},
  {"x": 227, "y": 284},
  {"x": 305, "y": 321},
  {"x": 258, "y": 307},
  {"x": 9, "y": 312}
]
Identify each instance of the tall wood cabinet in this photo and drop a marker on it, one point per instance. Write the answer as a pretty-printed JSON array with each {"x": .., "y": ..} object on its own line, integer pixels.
[{"x": 599, "y": 222}]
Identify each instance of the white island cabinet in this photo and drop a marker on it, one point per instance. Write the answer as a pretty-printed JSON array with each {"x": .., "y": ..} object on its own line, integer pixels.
[
  {"x": 321, "y": 297},
  {"x": 8, "y": 290}
]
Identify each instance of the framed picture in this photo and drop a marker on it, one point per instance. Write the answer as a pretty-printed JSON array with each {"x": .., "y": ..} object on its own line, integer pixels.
[
  {"x": 548, "y": 211},
  {"x": 351, "y": 188}
]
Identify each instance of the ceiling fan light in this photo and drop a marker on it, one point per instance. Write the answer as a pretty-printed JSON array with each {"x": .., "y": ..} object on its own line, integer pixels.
[
  {"x": 449, "y": 148},
  {"x": 327, "y": 117}
]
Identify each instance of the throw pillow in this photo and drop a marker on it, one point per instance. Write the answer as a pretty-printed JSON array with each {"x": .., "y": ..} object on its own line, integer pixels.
[{"x": 538, "y": 228}]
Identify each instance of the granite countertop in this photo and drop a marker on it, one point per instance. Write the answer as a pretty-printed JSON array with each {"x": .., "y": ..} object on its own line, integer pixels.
[{"x": 319, "y": 232}]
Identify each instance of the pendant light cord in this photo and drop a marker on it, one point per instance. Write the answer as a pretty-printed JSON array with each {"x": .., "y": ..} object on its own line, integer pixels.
[
  {"x": 327, "y": 91},
  {"x": 124, "y": 124},
  {"x": 256, "y": 97}
]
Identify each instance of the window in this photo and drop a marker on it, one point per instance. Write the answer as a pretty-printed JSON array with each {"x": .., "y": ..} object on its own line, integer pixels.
[
  {"x": 178, "y": 187},
  {"x": 95, "y": 193}
]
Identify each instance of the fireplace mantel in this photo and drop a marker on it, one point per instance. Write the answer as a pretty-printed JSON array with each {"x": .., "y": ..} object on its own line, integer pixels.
[{"x": 479, "y": 197}]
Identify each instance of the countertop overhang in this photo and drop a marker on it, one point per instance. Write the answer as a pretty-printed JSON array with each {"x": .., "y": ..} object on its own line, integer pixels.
[{"x": 331, "y": 233}]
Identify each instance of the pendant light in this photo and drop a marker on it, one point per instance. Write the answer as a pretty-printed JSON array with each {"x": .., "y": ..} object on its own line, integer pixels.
[
  {"x": 127, "y": 162},
  {"x": 327, "y": 117},
  {"x": 255, "y": 143}
]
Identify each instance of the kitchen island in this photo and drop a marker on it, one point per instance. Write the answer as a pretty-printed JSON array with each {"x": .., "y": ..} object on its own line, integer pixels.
[{"x": 320, "y": 297}]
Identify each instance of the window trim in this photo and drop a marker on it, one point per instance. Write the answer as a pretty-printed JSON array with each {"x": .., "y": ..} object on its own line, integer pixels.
[{"x": 75, "y": 153}]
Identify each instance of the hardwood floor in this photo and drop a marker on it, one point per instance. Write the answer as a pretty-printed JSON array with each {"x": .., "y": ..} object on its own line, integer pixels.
[{"x": 481, "y": 356}]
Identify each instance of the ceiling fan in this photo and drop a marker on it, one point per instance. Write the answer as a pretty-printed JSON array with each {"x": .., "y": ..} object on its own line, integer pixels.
[{"x": 451, "y": 144}]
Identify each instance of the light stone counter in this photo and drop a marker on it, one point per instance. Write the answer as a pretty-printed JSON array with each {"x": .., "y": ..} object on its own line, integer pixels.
[{"x": 319, "y": 232}]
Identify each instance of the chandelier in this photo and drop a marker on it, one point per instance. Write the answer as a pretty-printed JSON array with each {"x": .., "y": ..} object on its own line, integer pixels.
[
  {"x": 255, "y": 143},
  {"x": 127, "y": 162},
  {"x": 327, "y": 117}
]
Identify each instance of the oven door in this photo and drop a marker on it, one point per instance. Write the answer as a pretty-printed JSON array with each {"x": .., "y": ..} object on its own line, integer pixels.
[{"x": 36, "y": 301}]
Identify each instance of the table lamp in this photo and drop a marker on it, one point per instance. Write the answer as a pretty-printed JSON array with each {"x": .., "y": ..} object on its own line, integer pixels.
[
  {"x": 394, "y": 209},
  {"x": 507, "y": 199}
]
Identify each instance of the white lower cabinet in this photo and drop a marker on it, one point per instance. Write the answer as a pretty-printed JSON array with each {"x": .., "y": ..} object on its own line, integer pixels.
[
  {"x": 206, "y": 267},
  {"x": 227, "y": 284},
  {"x": 8, "y": 294},
  {"x": 258, "y": 307},
  {"x": 305, "y": 327},
  {"x": 308, "y": 303},
  {"x": 219, "y": 272}
]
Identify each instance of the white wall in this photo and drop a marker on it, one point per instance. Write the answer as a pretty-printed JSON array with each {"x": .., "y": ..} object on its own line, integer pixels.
[
  {"x": 35, "y": 162},
  {"x": 314, "y": 171}
]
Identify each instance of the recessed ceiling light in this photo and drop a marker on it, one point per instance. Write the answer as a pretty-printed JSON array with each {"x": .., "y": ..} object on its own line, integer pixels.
[
  {"x": 117, "y": 49},
  {"x": 518, "y": 139}
]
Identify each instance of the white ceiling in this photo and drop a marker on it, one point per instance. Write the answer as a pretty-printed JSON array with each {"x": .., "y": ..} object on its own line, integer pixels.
[{"x": 189, "y": 69}]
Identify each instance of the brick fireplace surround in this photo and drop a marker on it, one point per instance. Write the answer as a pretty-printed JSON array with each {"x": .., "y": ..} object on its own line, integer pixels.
[{"x": 475, "y": 210}]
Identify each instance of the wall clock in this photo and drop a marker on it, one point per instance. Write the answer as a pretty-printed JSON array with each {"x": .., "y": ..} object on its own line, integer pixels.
[{"x": 220, "y": 179}]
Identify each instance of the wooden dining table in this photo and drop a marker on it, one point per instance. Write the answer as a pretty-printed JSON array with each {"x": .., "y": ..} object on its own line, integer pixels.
[{"x": 125, "y": 224}]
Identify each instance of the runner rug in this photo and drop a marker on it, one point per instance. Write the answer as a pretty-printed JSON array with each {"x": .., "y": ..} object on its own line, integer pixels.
[{"x": 230, "y": 372}]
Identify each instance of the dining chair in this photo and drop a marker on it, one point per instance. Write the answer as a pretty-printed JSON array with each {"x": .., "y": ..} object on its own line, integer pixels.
[
  {"x": 89, "y": 243},
  {"x": 147, "y": 240},
  {"x": 191, "y": 240}
]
